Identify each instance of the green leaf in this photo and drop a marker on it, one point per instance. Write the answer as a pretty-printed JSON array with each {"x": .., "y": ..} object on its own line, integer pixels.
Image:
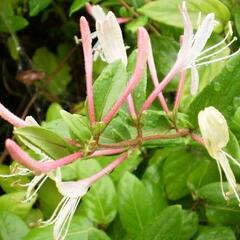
[
  {"x": 176, "y": 170},
  {"x": 36, "y": 6},
  {"x": 167, "y": 12},
  {"x": 189, "y": 225},
  {"x": 100, "y": 201},
  {"x": 12, "y": 202},
  {"x": 223, "y": 89},
  {"x": 134, "y": 24},
  {"x": 53, "y": 112},
  {"x": 116, "y": 131},
  {"x": 12, "y": 226},
  {"x": 128, "y": 165},
  {"x": 139, "y": 93},
  {"x": 80, "y": 228},
  {"x": 48, "y": 197},
  {"x": 60, "y": 80},
  {"x": 165, "y": 51},
  {"x": 13, "y": 48},
  {"x": 9, "y": 184},
  {"x": 11, "y": 24},
  {"x": 49, "y": 142},
  {"x": 218, "y": 210},
  {"x": 58, "y": 127},
  {"x": 76, "y": 5},
  {"x": 78, "y": 124},
  {"x": 135, "y": 208},
  {"x": 153, "y": 180},
  {"x": 108, "y": 88},
  {"x": 206, "y": 172},
  {"x": 166, "y": 226},
  {"x": 216, "y": 233}
]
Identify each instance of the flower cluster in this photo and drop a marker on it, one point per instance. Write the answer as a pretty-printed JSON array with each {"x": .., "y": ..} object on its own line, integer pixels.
[{"x": 110, "y": 46}]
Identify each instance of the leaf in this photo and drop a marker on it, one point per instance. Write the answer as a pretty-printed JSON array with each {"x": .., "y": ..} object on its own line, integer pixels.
[
  {"x": 116, "y": 131},
  {"x": 134, "y": 204},
  {"x": 216, "y": 233},
  {"x": 139, "y": 93},
  {"x": 36, "y": 6},
  {"x": 49, "y": 142},
  {"x": 166, "y": 226},
  {"x": 12, "y": 226},
  {"x": 218, "y": 210},
  {"x": 167, "y": 12},
  {"x": 165, "y": 52},
  {"x": 153, "y": 180},
  {"x": 48, "y": 197},
  {"x": 80, "y": 228},
  {"x": 108, "y": 88},
  {"x": 206, "y": 172},
  {"x": 100, "y": 201},
  {"x": 11, "y": 24},
  {"x": 9, "y": 184},
  {"x": 128, "y": 165},
  {"x": 53, "y": 112},
  {"x": 76, "y": 5},
  {"x": 13, "y": 48},
  {"x": 176, "y": 170},
  {"x": 223, "y": 89},
  {"x": 78, "y": 124},
  {"x": 189, "y": 225},
  {"x": 60, "y": 80},
  {"x": 12, "y": 202}
]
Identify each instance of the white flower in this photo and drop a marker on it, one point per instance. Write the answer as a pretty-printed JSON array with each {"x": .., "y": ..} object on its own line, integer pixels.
[
  {"x": 110, "y": 36},
  {"x": 214, "y": 130},
  {"x": 193, "y": 45},
  {"x": 72, "y": 193}
]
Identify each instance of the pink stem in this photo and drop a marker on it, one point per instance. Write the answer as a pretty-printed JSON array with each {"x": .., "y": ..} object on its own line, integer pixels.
[
  {"x": 131, "y": 106},
  {"x": 71, "y": 142},
  {"x": 24, "y": 159},
  {"x": 197, "y": 138},
  {"x": 154, "y": 76},
  {"x": 106, "y": 170},
  {"x": 180, "y": 89},
  {"x": 173, "y": 72},
  {"x": 143, "y": 39},
  {"x": 123, "y": 20},
  {"x": 87, "y": 50},
  {"x": 107, "y": 152},
  {"x": 12, "y": 118}
]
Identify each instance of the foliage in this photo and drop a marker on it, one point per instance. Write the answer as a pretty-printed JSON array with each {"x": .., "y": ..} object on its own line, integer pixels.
[{"x": 167, "y": 188}]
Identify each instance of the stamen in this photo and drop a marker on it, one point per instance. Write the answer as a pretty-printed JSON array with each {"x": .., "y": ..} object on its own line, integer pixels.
[
  {"x": 53, "y": 219},
  {"x": 32, "y": 184},
  {"x": 218, "y": 59},
  {"x": 217, "y": 52},
  {"x": 221, "y": 180},
  {"x": 65, "y": 224},
  {"x": 216, "y": 45},
  {"x": 233, "y": 159}
]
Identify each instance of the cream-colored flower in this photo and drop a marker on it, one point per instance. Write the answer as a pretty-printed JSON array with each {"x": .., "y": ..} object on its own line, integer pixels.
[
  {"x": 110, "y": 38},
  {"x": 215, "y": 133}
]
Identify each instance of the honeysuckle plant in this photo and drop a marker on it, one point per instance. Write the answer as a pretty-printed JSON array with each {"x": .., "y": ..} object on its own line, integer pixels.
[{"x": 121, "y": 120}]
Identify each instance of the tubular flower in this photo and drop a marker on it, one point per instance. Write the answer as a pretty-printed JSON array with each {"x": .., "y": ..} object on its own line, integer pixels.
[
  {"x": 214, "y": 130},
  {"x": 192, "y": 47},
  {"x": 72, "y": 193},
  {"x": 113, "y": 48}
]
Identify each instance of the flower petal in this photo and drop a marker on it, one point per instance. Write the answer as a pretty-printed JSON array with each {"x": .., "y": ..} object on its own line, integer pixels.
[{"x": 111, "y": 40}]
